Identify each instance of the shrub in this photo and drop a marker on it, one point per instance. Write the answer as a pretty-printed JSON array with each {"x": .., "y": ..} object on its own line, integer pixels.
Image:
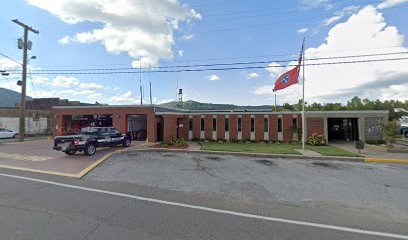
[
  {"x": 376, "y": 142},
  {"x": 317, "y": 140},
  {"x": 173, "y": 141},
  {"x": 272, "y": 141},
  {"x": 194, "y": 139},
  {"x": 233, "y": 140}
]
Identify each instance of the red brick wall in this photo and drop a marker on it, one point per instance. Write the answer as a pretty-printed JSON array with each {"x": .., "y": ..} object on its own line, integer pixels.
[
  {"x": 208, "y": 126},
  {"x": 233, "y": 127},
  {"x": 273, "y": 127},
  {"x": 246, "y": 127},
  {"x": 259, "y": 124},
  {"x": 196, "y": 126},
  {"x": 183, "y": 131},
  {"x": 287, "y": 123},
  {"x": 119, "y": 119},
  {"x": 314, "y": 125},
  {"x": 170, "y": 127},
  {"x": 221, "y": 126}
]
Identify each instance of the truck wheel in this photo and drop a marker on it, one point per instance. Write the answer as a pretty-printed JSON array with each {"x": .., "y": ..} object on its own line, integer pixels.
[
  {"x": 70, "y": 152},
  {"x": 126, "y": 143},
  {"x": 89, "y": 150}
]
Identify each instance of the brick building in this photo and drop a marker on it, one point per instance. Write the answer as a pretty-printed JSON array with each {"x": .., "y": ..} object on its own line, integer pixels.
[{"x": 153, "y": 123}]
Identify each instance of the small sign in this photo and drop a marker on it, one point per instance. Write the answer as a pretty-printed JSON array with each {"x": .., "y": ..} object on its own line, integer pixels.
[{"x": 181, "y": 125}]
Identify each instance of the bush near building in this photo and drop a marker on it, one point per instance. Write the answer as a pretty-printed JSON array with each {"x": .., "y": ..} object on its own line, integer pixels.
[{"x": 317, "y": 140}]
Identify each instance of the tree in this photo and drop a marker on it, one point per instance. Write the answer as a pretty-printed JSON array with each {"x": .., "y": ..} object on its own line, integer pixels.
[{"x": 391, "y": 131}]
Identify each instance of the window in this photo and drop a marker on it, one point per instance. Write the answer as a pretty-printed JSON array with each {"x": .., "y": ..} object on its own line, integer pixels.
[
  {"x": 114, "y": 131},
  {"x": 294, "y": 123},
  {"x": 239, "y": 124},
  {"x": 214, "y": 124},
  {"x": 266, "y": 127},
  {"x": 226, "y": 124},
  {"x": 202, "y": 124},
  {"x": 252, "y": 124},
  {"x": 190, "y": 124},
  {"x": 279, "y": 124}
]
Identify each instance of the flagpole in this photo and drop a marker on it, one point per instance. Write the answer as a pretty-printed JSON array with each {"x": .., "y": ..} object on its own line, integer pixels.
[
  {"x": 303, "y": 98},
  {"x": 275, "y": 102}
]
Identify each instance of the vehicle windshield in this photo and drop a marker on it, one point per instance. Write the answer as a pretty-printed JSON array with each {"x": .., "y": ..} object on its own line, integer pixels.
[{"x": 89, "y": 131}]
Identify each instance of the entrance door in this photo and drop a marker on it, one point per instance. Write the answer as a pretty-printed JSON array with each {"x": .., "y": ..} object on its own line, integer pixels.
[
  {"x": 342, "y": 129},
  {"x": 137, "y": 126}
]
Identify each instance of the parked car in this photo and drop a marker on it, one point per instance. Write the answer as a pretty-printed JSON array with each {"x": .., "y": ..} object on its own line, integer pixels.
[
  {"x": 7, "y": 133},
  {"x": 90, "y": 139},
  {"x": 404, "y": 131}
]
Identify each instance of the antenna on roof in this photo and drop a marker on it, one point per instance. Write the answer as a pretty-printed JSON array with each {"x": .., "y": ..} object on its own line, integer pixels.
[
  {"x": 150, "y": 84},
  {"x": 140, "y": 81}
]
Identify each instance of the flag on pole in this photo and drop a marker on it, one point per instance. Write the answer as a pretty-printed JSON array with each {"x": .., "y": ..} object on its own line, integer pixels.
[
  {"x": 290, "y": 77},
  {"x": 287, "y": 79}
]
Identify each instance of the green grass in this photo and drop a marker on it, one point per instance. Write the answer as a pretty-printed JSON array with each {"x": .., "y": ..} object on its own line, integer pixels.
[
  {"x": 250, "y": 147},
  {"x": 332, "y": 151},
  {"x": 275, "y": 148}
]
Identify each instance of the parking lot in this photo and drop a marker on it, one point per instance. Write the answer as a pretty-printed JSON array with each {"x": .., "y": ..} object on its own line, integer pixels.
[
  {"x": 38, "y": 156},
  {"x": 362, "y": 188}
]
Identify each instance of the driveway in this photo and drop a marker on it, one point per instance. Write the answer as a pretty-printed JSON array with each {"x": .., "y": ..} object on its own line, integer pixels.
[
  {"x": 38, "y": 156},
  {"x": 368, "y": 189}
]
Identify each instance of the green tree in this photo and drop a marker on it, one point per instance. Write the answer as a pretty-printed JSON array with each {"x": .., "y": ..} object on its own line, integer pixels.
[{"x": 391, "y": 131}]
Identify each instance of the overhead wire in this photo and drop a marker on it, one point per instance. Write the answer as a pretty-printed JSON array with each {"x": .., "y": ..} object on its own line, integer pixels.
[{"x": 218, "y": 64}]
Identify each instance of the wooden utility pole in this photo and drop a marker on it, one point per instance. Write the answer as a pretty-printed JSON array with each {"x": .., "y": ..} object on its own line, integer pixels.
[{"x": 21, "y": 132}]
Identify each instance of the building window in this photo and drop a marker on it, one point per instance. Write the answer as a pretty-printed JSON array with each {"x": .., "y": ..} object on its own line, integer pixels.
[
  {"x": 239, "y": 124},
  {"x": 266, "y": 125},
  {"x": 214, "y": 124},
  {"x": 279, "y": 124},
  {"x": 252, "y": 124},
  {"x": 294, "y": 123},
  {"x": 226, "y": 124},
  {"x": 190, "y": 124},
  {"x": 202, "y": 124}
]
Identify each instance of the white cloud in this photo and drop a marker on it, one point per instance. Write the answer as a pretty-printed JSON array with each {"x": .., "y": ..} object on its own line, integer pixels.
[
  {"x": 302, "y": 30},
  {"x": 157, "y": 101},
  {"x": 252, "y": 75},
  {"x": 390, "y": 3},
  {"x": 347, "y": 11},
  {"x": 90, "y": 86},
  {"x": 127, "y": 97},
  {"x": 312, "y": 4},
  {"x": 367, "y": 80},
  {"x": 64, "y": 40},
  {"x": 7, "y": 64},
  {"x": 45, "y": 94},
  {"x": 95, "y": 96},
  {"x": 62, "y": 81},
  {"x": 213, "y": 78},
  {"x": 181, "y": 53},
  {"x": 143, "y": 29},
  {"x": 187, "y": 37},
  {"x": 39, "y": 80},
  {"x": 76, "y": 92}
]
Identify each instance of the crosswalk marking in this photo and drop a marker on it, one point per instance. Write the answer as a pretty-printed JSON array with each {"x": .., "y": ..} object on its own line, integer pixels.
[{"x": 24, "y": 157}]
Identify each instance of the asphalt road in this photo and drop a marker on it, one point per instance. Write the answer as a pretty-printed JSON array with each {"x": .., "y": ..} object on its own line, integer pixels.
[{"x": 62, "y": 208}]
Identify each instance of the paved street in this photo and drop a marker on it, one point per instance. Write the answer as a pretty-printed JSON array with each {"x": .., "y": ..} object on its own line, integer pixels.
[{"x": 80, "y": 210}]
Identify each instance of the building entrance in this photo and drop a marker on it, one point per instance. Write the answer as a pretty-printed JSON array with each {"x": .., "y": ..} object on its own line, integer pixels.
[{"x": 342, "y": 129}]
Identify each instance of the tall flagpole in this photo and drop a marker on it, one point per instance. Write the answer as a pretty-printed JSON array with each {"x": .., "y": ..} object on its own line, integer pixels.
[{"x": 303, "y": 98}]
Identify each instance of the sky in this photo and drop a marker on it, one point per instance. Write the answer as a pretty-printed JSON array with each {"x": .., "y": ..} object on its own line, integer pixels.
[{"x": 101, "y": 36}]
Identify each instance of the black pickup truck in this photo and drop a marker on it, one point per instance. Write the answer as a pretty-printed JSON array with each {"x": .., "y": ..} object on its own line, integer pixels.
[{"x": 91, "y": 138}]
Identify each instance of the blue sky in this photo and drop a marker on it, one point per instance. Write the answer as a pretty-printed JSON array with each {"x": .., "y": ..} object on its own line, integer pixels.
[{"x": 119, "y": 34}]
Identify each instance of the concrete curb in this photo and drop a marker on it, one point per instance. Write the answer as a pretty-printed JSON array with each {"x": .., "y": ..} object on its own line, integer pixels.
[
  {"x": 382, "y": 160},
  {"x": 256, "y": 155}
]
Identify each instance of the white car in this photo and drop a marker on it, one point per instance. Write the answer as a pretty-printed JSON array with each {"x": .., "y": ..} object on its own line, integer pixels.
[{"x": 7, "y": 133}]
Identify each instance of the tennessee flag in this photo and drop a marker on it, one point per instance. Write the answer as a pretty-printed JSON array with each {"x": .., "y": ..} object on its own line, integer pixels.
[
  {"x": 290, "y": 77},
  {"x": 287, "y": 79}
]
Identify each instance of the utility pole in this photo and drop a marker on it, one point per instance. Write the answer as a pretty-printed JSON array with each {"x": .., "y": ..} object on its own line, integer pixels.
[{"x": 24, "y": 78}]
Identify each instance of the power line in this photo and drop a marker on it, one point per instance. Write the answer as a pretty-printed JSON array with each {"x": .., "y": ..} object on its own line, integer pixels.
[
  {"x": 220, "y": 64},
  {"x": 222, "y": 69},
  {"x": 4, "y": 55}
]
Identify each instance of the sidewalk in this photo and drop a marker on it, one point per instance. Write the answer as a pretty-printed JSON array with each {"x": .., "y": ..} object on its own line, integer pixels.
[{"x": 372, "y": 155}]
